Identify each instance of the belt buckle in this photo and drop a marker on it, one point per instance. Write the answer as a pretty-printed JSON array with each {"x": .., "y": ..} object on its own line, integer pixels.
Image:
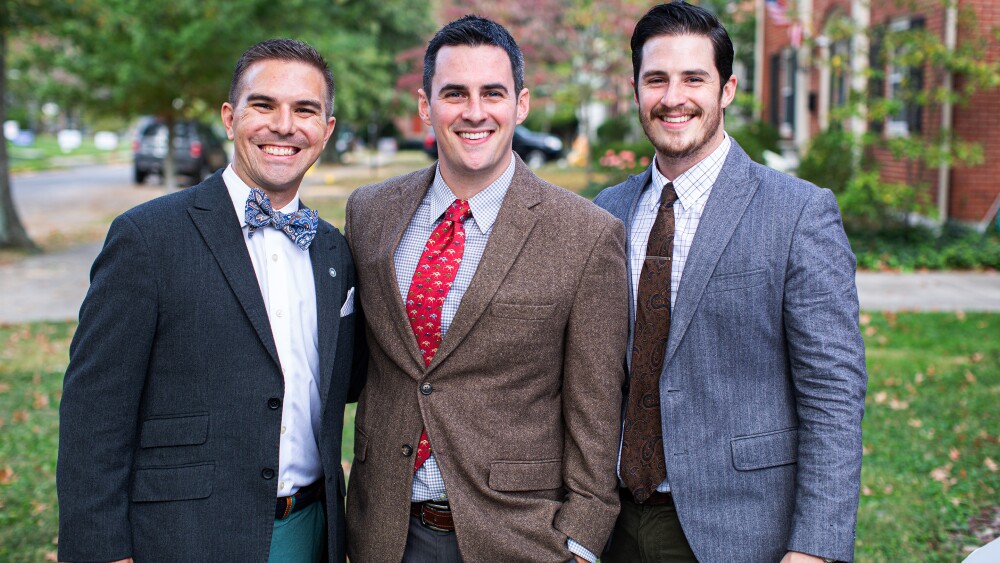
[{"x": 442, "y": 507}]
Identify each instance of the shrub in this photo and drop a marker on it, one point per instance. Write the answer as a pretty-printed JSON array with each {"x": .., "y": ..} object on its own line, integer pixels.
[{"x": 829, "y": 162}]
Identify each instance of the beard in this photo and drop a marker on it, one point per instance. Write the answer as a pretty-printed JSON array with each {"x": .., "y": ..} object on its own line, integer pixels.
[{"x": 680, "y": 146}]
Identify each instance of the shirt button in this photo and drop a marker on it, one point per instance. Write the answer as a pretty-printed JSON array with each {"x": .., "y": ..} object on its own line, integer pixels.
[
  {"x": 267, "y": 473},
  {"x": 426, "y": 388},
  {"x": 281, "y": 484},
  {"x": 407, "y": 450},
  {"x": 282, "y": 428},
  {"x": 273, "y": 403},
  {"x": 279, "y": 313},
  {"x": 274, "y": 258}
]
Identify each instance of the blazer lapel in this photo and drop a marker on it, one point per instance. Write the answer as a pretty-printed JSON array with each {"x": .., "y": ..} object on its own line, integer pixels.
[
  {"x": 398, "y": 214},
  {"x": 215, "y": 219},
  {"x": 510, "y": 231},
  {"x": 625, "y": 210},
  {"x": 731, "y": 193},
  {"x": 327, "y": 278}
]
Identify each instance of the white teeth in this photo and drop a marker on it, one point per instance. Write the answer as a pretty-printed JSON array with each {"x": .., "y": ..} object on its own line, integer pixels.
[
  {"x": 681, "y": 119},
  {"x": 279, "y": 151},
  {"x": 474, "y": 136}
]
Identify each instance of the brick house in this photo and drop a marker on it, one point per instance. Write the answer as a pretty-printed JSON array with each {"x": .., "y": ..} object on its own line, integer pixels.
[{"x": 798, "y": 87}]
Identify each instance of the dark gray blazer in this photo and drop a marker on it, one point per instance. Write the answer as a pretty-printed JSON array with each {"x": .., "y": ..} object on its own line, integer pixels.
[
  {"x": 764, "y": 379},
  {"x": 171, "y": 407}
]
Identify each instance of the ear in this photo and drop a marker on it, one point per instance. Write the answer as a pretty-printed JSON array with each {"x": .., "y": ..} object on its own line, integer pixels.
[
  {"x": 423, "y": 106},
  {"x": 330, "y": 124},
  {"x": 728, "y": 92},
  {"x": 635, "y": 93},
  {"x": 227, "y": 119},
  {"x": 523, "y": 105}
]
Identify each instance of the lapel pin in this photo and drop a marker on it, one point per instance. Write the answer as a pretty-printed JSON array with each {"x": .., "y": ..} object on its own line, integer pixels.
[{"x": 333, "y": 273}]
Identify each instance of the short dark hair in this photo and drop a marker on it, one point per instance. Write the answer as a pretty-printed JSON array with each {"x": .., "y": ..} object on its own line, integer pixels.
[
  {"x": 681, "y": 18},
  {"x": 282, "y": 50},
  {"x": 474, "y": 31}
]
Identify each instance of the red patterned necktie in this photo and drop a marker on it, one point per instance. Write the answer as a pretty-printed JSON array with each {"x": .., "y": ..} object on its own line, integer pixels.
[
  {"x": 431, "y": 281},
  {"x": 643, "y": 466}
]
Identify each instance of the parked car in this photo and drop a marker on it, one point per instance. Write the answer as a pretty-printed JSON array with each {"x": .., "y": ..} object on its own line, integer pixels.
[
  {"x": 198, "y": 150},
  {"x": 534, "y": 148}
]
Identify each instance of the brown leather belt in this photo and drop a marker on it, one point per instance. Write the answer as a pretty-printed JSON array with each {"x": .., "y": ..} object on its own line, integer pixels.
[
  {"x": 433, "y": 515},
  {"x": 285, "y": 506},
  {"x": 655, "y": 499}
]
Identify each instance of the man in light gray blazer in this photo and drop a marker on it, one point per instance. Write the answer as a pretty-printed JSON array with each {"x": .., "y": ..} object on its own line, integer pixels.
[
  {"x": 742, "y": 415},
  {"x": 203, "y": 404}
]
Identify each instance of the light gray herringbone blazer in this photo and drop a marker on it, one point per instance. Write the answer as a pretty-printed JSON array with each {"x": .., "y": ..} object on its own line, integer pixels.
[
  {"x": 763, "y": 384},
  {"x": 522, "y": 407}
]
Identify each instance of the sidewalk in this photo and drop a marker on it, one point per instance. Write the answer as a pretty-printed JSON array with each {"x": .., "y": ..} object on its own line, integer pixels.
[{"x": 52, "y": 286}]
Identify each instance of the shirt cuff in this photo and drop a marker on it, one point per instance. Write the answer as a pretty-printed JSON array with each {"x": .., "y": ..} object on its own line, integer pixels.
[{"x": 578, "y": 549}]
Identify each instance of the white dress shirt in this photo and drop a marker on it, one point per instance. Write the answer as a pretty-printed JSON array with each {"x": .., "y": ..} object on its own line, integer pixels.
[
  {"x": 285, "y": 276},
  {"x": 693, "y": 188}
]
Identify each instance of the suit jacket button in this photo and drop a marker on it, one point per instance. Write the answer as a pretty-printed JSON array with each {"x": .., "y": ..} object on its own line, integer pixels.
[
  {"x": 273, "y": 403},
  {"x": 267, "y": 473},
  {"x": 426, "y": 388},
  {"x": 407, "y": 450}
]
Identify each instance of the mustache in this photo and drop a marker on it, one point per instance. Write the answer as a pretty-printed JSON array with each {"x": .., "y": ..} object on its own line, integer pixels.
[{"x": 660, "y": 112}]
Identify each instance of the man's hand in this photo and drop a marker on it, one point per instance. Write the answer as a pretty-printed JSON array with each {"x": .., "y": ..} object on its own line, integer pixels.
[
  {"x": 580, "y": 559},
  {"x": 798, "y": 557}
]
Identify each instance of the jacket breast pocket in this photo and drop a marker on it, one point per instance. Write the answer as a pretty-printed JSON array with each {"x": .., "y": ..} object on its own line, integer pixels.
[
  {"x": 176, "y": 430},
  {"x": 523, "y": 311},
  {"x": 520, "y": 476},
  {"x": 769, "y": 449},
  {"x": 737, "y": 280},
  {"x": 184, "y": 482}
]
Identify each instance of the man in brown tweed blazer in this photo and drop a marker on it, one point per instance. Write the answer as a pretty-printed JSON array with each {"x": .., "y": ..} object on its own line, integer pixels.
[{"x": 518, "y": 387}]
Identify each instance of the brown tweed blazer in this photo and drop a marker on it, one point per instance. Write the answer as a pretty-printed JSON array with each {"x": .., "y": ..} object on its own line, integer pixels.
[{"x": 524, "y": 413}]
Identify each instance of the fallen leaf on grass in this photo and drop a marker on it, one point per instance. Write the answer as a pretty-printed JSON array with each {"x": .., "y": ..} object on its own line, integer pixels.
[
  {"x": 991, "y": 465},
  {"x": 887, "y": 490},
  {"x": 919, "y": 378},
  {"x": 982, "y": 324},
  {"x": 51, "y": 556},
  {"x": 976, "y": 358},
  {"x": 898, "y": 405},
  {"x": 866, "y": 491},
  {"x": 20, "y": 416},
  {"x": 866, "y": 450},
  {"x": 931, "y": 371},
  {"x": 953, "y": 454},
  {"x": 970, "y": 377},
  {"x": 41, "y": 401},
  {"x": 915, "y": 422},
  {"x": 942, "y": 474},
  {"x": 865, "y": 319},
  {"x": 38, "y": 507},
  {"x": 960, "y": 315},
  {"x": 4, "y": 387},
  {"x": 870, "y": 330},
  {"x": 7, "y": 476},
  {"x": 955, "y": 502},
  {"x": 880, "y": 397}
]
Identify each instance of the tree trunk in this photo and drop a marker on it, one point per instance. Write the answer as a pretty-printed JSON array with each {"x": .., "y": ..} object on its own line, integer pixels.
[{"x": 12, "y": 233}]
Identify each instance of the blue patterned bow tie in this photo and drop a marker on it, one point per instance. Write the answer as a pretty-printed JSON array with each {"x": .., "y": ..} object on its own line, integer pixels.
[{"x": 299, "y": 226}]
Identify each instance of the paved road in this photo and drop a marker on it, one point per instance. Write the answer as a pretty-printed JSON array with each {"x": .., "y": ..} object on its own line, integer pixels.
[{"x": 52, "y": 286}]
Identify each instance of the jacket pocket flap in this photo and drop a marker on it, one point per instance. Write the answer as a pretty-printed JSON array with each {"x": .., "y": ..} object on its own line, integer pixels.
[
  {"x": 523, "y": 311},
  {"x": 179, "y": 430},
  {"x": 186, "y": 482},
  {"x": 360, "y": 444},
  {"x": 769, "y": 449},
  {"x": 737, "y": 280},
  {"x": 513, "y": 476}
]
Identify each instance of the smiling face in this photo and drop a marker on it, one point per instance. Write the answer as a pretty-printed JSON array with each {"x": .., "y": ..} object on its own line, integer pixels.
[
  {"x": 473, "y": 108},
  {"x": 681, "y": 99},
  {"x": 278, "y": 126}
]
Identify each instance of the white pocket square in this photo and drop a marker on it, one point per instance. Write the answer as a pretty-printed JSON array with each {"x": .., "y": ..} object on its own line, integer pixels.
[{"x": 348, "y": 306}]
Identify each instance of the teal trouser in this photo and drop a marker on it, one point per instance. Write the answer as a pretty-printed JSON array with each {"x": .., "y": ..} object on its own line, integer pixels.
[{"x": 300, "y": 538}]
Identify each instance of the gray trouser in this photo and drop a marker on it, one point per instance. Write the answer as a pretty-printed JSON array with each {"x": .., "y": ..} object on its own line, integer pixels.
[{"x": 424, "y": 545}]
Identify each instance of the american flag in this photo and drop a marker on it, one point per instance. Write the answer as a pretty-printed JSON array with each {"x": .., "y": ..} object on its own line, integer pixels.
[{"x": 776, "y": 10}]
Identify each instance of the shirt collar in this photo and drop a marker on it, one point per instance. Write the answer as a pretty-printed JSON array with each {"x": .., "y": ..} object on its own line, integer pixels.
[
  {"x": 239, "y": 191},
  {"x": 695, "y": 183},
  {"x": 485, "y": 205}
]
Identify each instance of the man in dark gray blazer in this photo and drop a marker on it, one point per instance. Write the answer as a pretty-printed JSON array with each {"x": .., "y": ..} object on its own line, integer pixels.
[
  {"x": 742, "y": 416},
  {"x": 202, "y": 407}
]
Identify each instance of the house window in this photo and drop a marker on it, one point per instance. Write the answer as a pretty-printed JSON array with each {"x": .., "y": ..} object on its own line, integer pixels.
[
  {"x": 789, "y": 69},
  {"x": 902, "y": 84},
  {"x": 840, "y": 62}
]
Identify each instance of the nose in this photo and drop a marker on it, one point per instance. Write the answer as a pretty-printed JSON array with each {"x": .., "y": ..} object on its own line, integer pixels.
[
  {"x": 283, "y": 122},
  {"x": 674, "y": 95},
  {"x": 474, "y": 110}
]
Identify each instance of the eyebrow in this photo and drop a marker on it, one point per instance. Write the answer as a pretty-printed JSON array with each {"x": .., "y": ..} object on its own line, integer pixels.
[
  {"x": 696, "y": 72},
  {"x": 464, "y": 88},
  {"x": 268, "y": 99}
]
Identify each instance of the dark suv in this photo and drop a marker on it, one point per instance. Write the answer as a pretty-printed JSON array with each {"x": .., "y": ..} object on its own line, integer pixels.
[
  {"x": 535, "y": 149},
  {"x": 198, "y": 150}
]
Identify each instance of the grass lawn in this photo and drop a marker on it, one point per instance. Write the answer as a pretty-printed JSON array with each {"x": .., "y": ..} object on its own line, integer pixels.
[{"x": 932, "y": 436}]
